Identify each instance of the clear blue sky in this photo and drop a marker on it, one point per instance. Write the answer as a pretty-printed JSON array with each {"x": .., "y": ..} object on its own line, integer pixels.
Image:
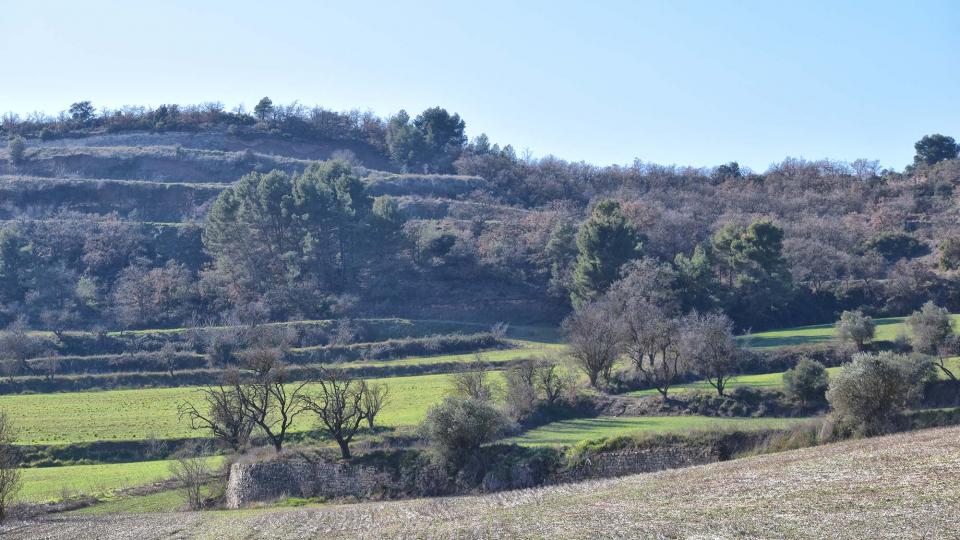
[{"x": 697, "y": 83}]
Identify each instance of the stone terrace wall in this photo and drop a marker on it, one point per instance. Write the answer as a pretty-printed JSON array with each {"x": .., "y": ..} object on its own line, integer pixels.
[
  {"x": 276, "y": 479},
  {"x": 636, "y": 461}
]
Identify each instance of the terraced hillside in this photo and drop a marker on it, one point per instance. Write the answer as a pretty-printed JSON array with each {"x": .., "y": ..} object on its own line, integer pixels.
[{"x": 899, "y": 486}]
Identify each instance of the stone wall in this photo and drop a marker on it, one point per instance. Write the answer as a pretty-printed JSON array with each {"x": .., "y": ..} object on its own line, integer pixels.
[
  {"x": 299, "y": 478},
  {"x": 636, "y": 461}
]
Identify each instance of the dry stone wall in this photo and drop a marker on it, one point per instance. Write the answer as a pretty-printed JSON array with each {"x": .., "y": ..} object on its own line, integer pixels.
[
  {"x": 251, "y": 482},
  {"x": 273, "y": 480}
]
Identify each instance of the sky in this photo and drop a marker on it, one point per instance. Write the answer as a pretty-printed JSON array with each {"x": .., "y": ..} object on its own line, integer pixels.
[{"x": 675, "y": 82}]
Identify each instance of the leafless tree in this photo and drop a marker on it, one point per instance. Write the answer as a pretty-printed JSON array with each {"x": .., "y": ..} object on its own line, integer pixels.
[
  {"x": 520, "y": 395},
  {"x": 375, "y": 398},
  {"x": 549, "y": 382},
  {"x": 708, "y": 346},
  {"x": 192, "y": 470},
  {"x": 339, "y": 405},
  {"x": 17, "y": 345},
  {"x": 223, "y": 415},
  {"x": 652, "y": 341},
  {"x": 10, "y": 478},
  {"x": 594, "y": 333},
  {"x": 473, "y": 382},
  {"x": 269, "y": 399}
]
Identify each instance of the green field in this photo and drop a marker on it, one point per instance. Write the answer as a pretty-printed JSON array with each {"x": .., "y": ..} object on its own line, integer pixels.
[
  {"x": 887, "y": 330},
  {"x": 767, "y": 380},
  {"x": 53, "y": 483},
  {"x": 569, "y": 432},
  {"x": 62, "y": 418},
  {"x": 524, "y": 349}
]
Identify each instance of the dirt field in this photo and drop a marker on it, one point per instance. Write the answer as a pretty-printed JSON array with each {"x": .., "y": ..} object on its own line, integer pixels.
[{"x": 903, "y": 486}]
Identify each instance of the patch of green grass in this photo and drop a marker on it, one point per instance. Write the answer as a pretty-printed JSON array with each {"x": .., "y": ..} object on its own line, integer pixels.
[
  {"x": 53, "y": 483},
  {"x": 170, "y": 500},
  {"x": 887, "y": 330},
  {"x": 63, "y": 418},
  {"x": 569, "y": 432}
]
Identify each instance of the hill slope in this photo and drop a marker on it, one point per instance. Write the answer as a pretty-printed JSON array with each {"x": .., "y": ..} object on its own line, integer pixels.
[{"x": 902, "y": 486}]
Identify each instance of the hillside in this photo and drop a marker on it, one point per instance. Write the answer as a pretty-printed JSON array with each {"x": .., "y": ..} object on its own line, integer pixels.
[
  {"x": 899, "y": 486},
  {"x": 111, "y": 201}
]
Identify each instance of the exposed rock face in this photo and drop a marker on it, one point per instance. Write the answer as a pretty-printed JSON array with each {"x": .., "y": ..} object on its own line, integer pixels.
[{"x": 300, "y": 478}]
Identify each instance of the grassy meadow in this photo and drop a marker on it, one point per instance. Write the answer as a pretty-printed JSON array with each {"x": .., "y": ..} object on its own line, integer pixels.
[
  {"x": 569, "y": 432},
  {"x": 53, "y": 483},
  {"x": 63, "y": 418},
  {"x": 887, "y": 330}
]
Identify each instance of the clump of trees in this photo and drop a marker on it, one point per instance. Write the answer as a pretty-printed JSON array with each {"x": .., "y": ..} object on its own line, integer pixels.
[
  {"x": 533, "y": 383},
  {"x": 871, "y": 392},
  {"x": 262, "y": 397},
  {"x": 640, "y": 319},
  {"x": 430, "y": 143},
  {"x": 856, "y": 327}
]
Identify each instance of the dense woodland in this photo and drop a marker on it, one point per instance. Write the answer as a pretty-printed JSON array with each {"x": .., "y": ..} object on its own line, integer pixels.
[{"x": 235, "y": 217}]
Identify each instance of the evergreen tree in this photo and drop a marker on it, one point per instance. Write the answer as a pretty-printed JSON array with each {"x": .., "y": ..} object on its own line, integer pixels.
[
  {"x": 605, "y": 242},
  {"x": 264, "y": 109}
]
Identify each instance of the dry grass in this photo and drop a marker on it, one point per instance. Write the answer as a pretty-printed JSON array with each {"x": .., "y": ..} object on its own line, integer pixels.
[{"x": 903, "y": 486}]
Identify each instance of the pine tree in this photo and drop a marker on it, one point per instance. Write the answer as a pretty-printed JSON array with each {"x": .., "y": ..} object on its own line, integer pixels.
[{"x": 605, "y": 242}]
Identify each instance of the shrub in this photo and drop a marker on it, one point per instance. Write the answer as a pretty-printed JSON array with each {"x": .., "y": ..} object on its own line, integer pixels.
[
  {"x": 520, "y": 394},
  {"x": 456, "y": 427},
  {"x": 870, "y": 393},
  {"x": 17, "y": 147},
  {"x": 807, "y": 381},
  {"x": 856, "y": 327}
]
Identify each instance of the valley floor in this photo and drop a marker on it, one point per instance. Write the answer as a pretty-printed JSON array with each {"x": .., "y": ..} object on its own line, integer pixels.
[{"x": 901, "y": 486}]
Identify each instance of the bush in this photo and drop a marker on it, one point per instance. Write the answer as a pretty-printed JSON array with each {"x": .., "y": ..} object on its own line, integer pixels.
[
  {"x": 17, "y": 148},
  {"x": 456, "y": 427},
  {"x": 807, "y": 382},
  {"x": 871, "y": 392},
  {"x": 856, "y": 327}
]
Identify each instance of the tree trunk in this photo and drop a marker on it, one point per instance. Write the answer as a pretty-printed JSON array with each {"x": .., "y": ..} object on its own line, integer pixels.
[{"x": 344, "y": 449}]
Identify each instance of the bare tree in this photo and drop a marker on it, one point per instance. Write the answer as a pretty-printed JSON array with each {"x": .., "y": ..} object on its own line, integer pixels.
[
  {"x": 10, "y": 479},
  {"x": 594, "y": 333},
  {"x": 17, "y": 345},
  {"x": 549, "y": 382},
  {"x": 269, "y": 400},
  {"x": 474, "y": 382},
  {"x": 707, "y": 344},
  {"x": 375, "y": 398},
  {"x": 224, "y": 415},
  {"x": 520, "y": 395},
  {"x": 339, "y": 404},
  {"x": 192, "y": 471}
]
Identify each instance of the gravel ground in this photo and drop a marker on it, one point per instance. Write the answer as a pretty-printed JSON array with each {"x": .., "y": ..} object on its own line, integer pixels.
[{"x": 902, "y": 486}]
